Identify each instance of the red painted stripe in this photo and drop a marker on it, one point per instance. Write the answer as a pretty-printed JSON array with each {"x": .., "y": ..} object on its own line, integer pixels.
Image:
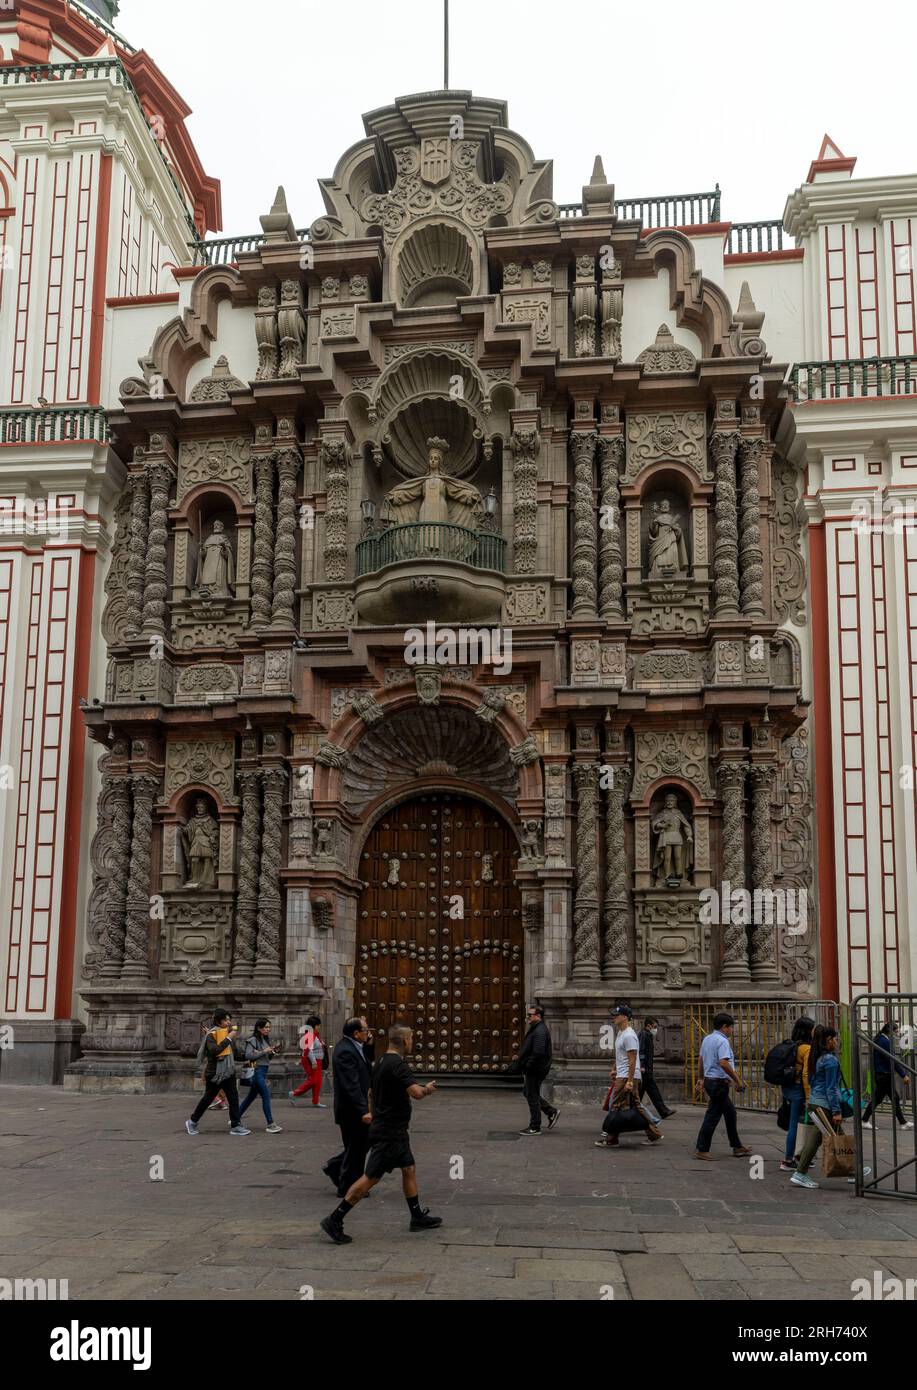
[
  {"x": 824, "y": 775},
  {"x": 133, "y": 301},
  {"x": 99, "y": 271},
  {"x": 792, "y": 253}
]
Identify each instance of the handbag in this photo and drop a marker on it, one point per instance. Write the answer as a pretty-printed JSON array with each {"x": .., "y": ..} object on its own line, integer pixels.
[
  {"x": 783, "y": 1116},
  {"x": 246, "y": 1076}
]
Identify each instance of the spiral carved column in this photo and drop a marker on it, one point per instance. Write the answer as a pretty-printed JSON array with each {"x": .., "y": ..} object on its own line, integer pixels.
[
  {"x": 763, "y": 934},
  {"x": 751, "y": 452},
  {"x": 726, "y": 549},
  {"x": 525, "y": 444},
  {"x": 263, "y": 556},
  {"x": 586, "y": 900},
  {"x": 616, "y": 885},
  {"x": 244, "y": 946},
  {"x": 285, "y": 544},
  {"x": 267, "y": 954},
  {"x": 584, "y": 529},
  {"x": 137, "y": 546},
  {"x": 112, "y": 943},
  {"x": 731, "y": 780},
  {"x": 137, "y": 935},
  {"x": 611, "y": 560},
  {"x": 156, "y": 590}
]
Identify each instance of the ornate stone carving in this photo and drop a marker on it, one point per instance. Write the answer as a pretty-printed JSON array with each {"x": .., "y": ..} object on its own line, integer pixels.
[
  {"x": 585, "y": 559},
  {"x": 527, "y": 603},
  {"x": 667, "y": 554},
  {"x": 611, "y": 561},
  {"x": 492, "y": 702},
  {"x": 586, "y": 900},
  {"x": 673, "y": 435},
  {"x": 267, "y": 957},
  {"x": 673, "y": 859},
  {"x": 512, "y": 273},
  {"x": 137, "y": 936},
  {"x": 751, "y": 556},
  {"x": 534, "y": 309},
  {"x": 333, "y": 609},
  {"x": 266, "y": 333},
  {"x": 615, "y": 906},
  {"x": 524, "y": 753},
  {"x": 246, "y": 921},
  {"x": 793, "y": 868},
  {"x": 288, "y": 462},
  {"x": 665, "y": 355},
  {"x": 208, "y": 762},
  {"x": 525, "y": 445},
  {"x": 209, "y": 682},
  {"x": 530, "y": 837},
  {"x": 110, "y": 858},
  {"x": 217, "y": 386},
  {"x": 365, "y": 706},
  {"x": 456, "y": 189},
  {"x": 216, "y": 571},
  {"x": 763, "y": 934},
  {"x": 730, "y": 778},
  {"x": 329, "y": 755},
  {"x": 200, "y": 841},
  {"x": 215, "y": 461},
  {"x": 612, "y": 314},
  {"x": 672, "y": 754},
  {"x": 555, "y": 809},
  {"x": 428, "y": 682},
  {"x": 291, "y": 328},
  {"x": 336, "y": 461},
  {"x": 156, "y": 588},
  {"x": 584, "y": 307},
  {"x": 726, "y": 549},
  {"x": 263, "y": 562},
  {"x": 787, "y": 564},
  {"x": 667, "y": 668},
  {"x": 122, "y": 607}
]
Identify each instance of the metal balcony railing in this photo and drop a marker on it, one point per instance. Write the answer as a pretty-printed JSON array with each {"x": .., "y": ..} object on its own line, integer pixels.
[
  {"x": 54, "y": 425},
  {"x": 854, "y": 377},
  {"x": 672, "y": 210},
  {"x": 422, "y": 540},
  {"x": 226, "y": 250},
  {"x": 111, "y": 69},
  {"x": 745, "y": 237}
]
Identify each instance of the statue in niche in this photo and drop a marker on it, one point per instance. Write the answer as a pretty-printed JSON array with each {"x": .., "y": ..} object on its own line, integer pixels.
[
  {"x": 674, "y": 856},
  {"x": 668, "y": 554},
  {"x": 216, "y": 575},
  {"x": 436, "y": 498},
  {"x": 200, "y": 838}
]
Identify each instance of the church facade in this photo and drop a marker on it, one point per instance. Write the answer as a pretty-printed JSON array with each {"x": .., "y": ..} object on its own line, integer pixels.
[{"x": 468, "y": 577}]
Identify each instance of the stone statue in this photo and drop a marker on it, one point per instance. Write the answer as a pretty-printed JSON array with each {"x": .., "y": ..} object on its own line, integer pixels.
[
  {"x": 531, "y": 839},
  {"x": 216, "y": 575},
  {"x": 674, "y": 857},
  {"x": 436, "y": 498},
  {"x": 668, "y": 554},
  {"x": 200, "y": 838},
  {"x": 323, "y": 831}
]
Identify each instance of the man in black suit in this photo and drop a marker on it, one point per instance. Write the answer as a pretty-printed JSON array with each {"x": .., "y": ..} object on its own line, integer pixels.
[
  {"x": 534, "y": 1061},
  {"x": 351, "y": 1068},
  {"x": 648, "y": 1085}
]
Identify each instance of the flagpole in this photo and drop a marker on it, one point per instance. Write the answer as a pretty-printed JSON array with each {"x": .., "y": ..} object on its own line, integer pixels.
[{"x": 446, "y": 45}]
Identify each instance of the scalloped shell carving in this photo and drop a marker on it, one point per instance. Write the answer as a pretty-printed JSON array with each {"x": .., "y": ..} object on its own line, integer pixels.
[{"x": 435, "y": 266}]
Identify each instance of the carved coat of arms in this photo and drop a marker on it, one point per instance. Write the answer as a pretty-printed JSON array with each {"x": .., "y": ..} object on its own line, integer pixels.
[{"x": 435, "y": 159}]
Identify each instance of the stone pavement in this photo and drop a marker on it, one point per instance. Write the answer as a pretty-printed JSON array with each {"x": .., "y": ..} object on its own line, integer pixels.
[{"x": 547, "y": 1218}]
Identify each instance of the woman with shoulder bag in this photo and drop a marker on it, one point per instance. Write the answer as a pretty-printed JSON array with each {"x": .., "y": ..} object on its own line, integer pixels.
[
  {"x": 824, "y": 1072},
  {"x": 796, "y": 1095},
  {"x": 258, "y": 1053}
]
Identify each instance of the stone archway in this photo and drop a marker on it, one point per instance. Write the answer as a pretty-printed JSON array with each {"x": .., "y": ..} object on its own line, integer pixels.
[{"x": 457, "y": 980}]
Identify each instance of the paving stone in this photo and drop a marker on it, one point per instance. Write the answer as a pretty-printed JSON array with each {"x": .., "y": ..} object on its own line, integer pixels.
[
  {"x": 468, "y": 1286},
  {"x": 716, "y": 1290},
  {"x": 714, "y": 1266},
  {"x": 571, "y": 1240},
  {"x": 568, "y": 1291},
  {"x": 690, "y": 1242},
  {"x": 768, "y": 1289},
  {"x": 577, "y": 1271},
  {"x": 126, "y": 1286},
  {"x": 796, "y": 1245},
  {"x": 658, "y": 1277}
]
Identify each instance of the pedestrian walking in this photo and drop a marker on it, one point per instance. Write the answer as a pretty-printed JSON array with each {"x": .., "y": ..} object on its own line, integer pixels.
[
  {"x": 715, "y": 1071},
  {"x": 626, "y": 1077},
  {"x": 824, "y": 1097},
  {"x": 220, "y": 1103},
  {"x": 217, "y": 1051},
  {"x": 312, "y": 1062},
  {"x": 648, "y": 1087},
  {"x": 391, "y": 1091},
  {"x": 534, "y": 1062},
  {"x": 883, "y": 1078},
  {"x": 351, "y": 1076},
  {"x": 796, "y": 1093},
  {"x": 258, "y": 1053}
]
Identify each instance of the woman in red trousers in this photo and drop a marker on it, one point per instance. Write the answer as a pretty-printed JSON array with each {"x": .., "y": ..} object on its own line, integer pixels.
[{"x": 312, "y": 1062}]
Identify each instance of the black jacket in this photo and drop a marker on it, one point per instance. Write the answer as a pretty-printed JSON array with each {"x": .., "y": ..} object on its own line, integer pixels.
[
  {"x": 350, "y": 1082},
  {"x": 647, "y": 1050},
  {"x": 535, "y": 1053}
]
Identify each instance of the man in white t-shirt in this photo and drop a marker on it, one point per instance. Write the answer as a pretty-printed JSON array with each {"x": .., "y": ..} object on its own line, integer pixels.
[{"x": 627, "y": 1068}]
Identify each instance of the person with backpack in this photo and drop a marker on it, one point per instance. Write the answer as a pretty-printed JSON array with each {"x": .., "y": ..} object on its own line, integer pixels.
[
  {"x": 824, "y": 1097},
  {"x": 883, "y": 1082},
  {"x": 312, "y": 1062},
  {"x": 258, "y": 1053},
  {"x": 787, "y": 1066},
  {"x": 217, "y": 1052}
]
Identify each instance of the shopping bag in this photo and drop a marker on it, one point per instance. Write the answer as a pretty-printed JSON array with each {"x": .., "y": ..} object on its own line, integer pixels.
[{"x": 837, "y": 1155}]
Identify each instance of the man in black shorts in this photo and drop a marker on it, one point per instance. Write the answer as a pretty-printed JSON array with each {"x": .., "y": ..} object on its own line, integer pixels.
[{"x": 392, "y": 1090}]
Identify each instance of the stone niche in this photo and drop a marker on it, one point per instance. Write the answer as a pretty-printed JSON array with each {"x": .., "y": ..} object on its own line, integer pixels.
[
  {"x": 211, "y": 568},
  {"x": 673, "y": 948},
  {"x": 667, "y": 551},
  {"x": 197, "y": 887}
]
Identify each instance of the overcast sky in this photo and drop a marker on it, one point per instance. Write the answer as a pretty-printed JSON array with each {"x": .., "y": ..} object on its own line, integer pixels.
[{"x": 675, "y": 96}]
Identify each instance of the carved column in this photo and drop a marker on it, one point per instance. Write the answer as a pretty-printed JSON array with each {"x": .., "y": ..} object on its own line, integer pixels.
[
  {"x": 137, "y": 935},
  {"x": 156, "y": 589},
  {"x": 136, "y": 562},
  {"x": 584, "y": 305},
  {"x": 267, "y": 956},
  {"x": 726, "y": 550},
  {"x": 731, "y": 780},
  {"x": 291, "y": 328},
  {"x": 266, "y": 333},
  {"x": 763, "y": 935},
  {"x": 263, "y": 558},
  {"x": 584, "y": 530},
  {"x": 336, "y": 457},
  {"x": 116, "y": 791},
  {"x": 751, "y": 452},
  {"x": 525, "y": 444},
  {"x": 586, "y": 901},
  {"x": 611, "y": 559},
  {"x": 285, "y": 544},
  {"x": 616, "y": 877},
  {"x": 246, "y": 926}
]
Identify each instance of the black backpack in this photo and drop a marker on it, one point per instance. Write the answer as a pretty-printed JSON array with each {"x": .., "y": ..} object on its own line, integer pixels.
[{"x": 780, "y": 1064}]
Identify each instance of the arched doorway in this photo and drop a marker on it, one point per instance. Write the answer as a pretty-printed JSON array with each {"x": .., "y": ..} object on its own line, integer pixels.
[{"x": 456, "y": 980}]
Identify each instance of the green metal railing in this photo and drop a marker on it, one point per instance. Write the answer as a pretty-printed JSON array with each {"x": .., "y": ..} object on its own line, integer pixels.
[
  {"x": 747, "y": 237},
  {"x": 854, "y": 377},
  {"x": 53, "y": 426},
  {"x": 422, "y": 540},
  {"x": 226, "y": 250},
  {"x": 673, "y": 210},
  {"x": 92, "y": 68}
]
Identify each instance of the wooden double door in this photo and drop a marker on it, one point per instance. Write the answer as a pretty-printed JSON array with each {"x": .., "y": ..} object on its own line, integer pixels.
[{"x": 439, "y": 933}]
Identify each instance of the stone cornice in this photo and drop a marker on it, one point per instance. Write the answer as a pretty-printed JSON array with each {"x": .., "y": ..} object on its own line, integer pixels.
[{"x": 848, "y": 200}]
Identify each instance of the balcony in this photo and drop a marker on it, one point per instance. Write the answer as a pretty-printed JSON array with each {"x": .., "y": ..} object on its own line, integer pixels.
[
  {"x": 427, "y": 570},
  {"x": 53, "y": 425},
  {"x": 854, "y": 378}
]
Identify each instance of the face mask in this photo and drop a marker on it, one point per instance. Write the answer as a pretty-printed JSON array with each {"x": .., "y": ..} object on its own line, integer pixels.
[{"x": 652, "y": 1032}]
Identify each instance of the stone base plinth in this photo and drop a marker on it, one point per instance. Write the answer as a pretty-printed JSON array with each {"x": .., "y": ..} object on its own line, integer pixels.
[{"x": 37, "y": 1052}]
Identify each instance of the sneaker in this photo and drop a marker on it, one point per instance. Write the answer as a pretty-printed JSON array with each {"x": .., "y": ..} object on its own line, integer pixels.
[
  {"x": 553, "y": 1119},
  {"x": 217, "y": 1105},
  {"x": 653, "y": 1136},
  {"x": 741, "y": 1152},
  {"x": 239, "y": 1131},
  {"x": 191, "y": 1127},
  {"x": 867, "y": 1124},
  {"x": 333, "y": 1226},
  {"x": 867, "y": 1172},
  {"x": 607, "y": 1143},
  {"x": 531, "y": 1130},
  {"x": 803, "y": 1180},
  {"x": 697, "y": 1154},
  {"x": 908, "y": 1124},
  {"x": 274, "y": 1128},
  {"x": 424, "y": 1221},
  {"x": 788, "y": 1165},
  {"x": 319, "y": 1105},
  {"x": 292, "y": 1097}
]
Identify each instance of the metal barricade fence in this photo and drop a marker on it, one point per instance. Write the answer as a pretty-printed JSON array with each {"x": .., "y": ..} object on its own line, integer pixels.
[
  {"x": 885, "y": 1080},
  {"x": 760, "y": 1024}
]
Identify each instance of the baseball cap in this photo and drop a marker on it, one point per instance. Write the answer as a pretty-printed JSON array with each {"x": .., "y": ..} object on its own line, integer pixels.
[{"x": 622, "y": 1009}]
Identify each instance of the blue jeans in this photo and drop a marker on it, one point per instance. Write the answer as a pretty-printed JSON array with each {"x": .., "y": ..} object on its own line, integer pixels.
[
  {"x": 796, "y": 1096},
  {"x": 259, "y": 1087}
]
